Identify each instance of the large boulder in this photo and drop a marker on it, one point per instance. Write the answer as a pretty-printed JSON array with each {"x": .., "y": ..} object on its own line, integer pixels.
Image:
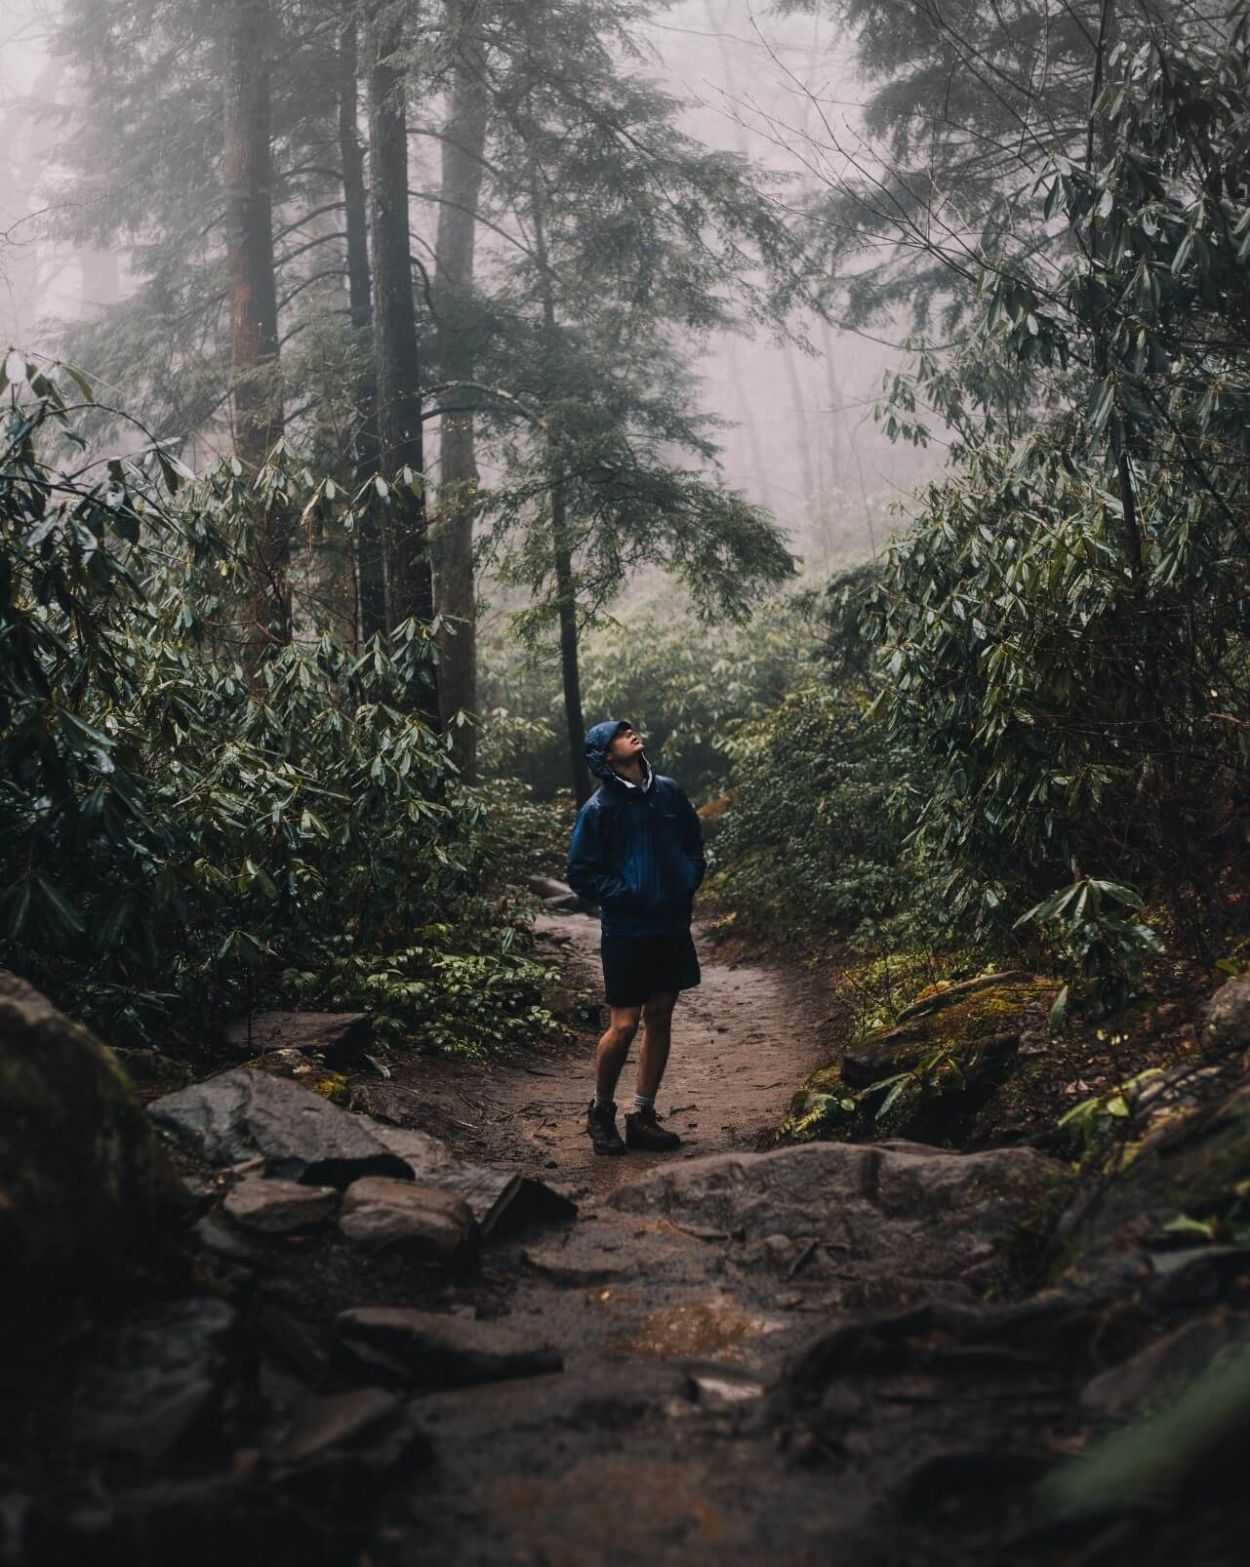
[
  {"x": 902, "y": 1219},
  {"x": 86, "y": 1193},
  {"x": 242, "y": 1115}
]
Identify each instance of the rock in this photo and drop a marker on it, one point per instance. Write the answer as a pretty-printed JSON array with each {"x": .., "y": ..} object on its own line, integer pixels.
[
  {"x": 503, "y": 1202},
  {"x": 241, "y": 1115},
  {"x": 380, "y": 1214},
  {"x": 433, "y": 1352},
  {"x": 216, "y": 1234},
  {"x": 902, "y": 1218},
  {"x": 1228, "y": 1015},
  {"x": 245, "y": 1114},
  {"x": 320, "y": 1425},
  {"x": 341, "y": 1037},
  {"x": 1198, "y": 1440},
  {"x": 975, "y": 1025},
  {"x": 87, "y": 1196},
  {"x": 280, "y": 1207},
  {"x": 160, "y": 1386},
  {"x": 555, "y": 894},
  {"x": 1162, "y": 1370},
  {"x": 297, "y": 1068},
  {"x": 1199, "y": 1273},
  {"x": 1192, "y": 1169}
]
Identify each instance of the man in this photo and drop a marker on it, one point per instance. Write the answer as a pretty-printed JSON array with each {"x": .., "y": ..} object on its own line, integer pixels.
[{"x": 636, "y": 851}]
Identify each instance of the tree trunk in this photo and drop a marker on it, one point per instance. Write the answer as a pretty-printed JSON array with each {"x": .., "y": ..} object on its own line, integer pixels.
[
  {"x": 561, "y": 543},
  {"x": 569, "y": 671},
  {"x": 409, "y": 581},
  {"x": 370, "y": 573},
  {"x": 463, "y": 147},
  {"x": 247, "y": 167}
]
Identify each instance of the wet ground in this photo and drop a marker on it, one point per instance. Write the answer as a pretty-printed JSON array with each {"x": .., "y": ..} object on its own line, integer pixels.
[
  {"x": 743, "y": 1041},
  {"x": 677, "y": 1299},
  {"x": 739, "y": 1354}
]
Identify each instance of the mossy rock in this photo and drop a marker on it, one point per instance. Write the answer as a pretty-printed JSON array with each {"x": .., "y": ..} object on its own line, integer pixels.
[
  {"x": 309, "y": 1074},
  {"x": 927, "y": 1076},
  {"x": 86, "y": 1192},
  {"x": 973, "y": 1028}
]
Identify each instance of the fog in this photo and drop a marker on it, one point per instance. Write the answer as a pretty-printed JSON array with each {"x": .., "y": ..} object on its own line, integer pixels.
[{"x": 800, "y": 436}]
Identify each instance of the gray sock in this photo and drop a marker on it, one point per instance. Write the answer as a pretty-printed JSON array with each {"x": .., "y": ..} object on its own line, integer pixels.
[
  {"x": 600, "y": 1102},
  {"x": 643, "y": 1102}
]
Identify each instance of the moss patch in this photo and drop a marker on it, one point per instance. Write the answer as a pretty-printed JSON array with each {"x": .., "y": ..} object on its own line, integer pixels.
[
  {"x": 928, "y": 1076},
  {"x": 308, "y": 1073},
  {"x": 971, "y": 1030}
]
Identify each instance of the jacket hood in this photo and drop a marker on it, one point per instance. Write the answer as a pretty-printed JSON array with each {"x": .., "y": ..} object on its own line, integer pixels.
[{"x": 595, "y": 747}]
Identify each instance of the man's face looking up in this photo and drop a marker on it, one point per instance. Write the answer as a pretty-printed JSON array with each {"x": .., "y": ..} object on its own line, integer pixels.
[{"x": 626, "y": 744}]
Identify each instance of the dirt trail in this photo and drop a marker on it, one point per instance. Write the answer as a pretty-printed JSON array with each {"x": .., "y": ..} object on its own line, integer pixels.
[
  {"x": 743, "y": 1041},
  {"x": 678, "y": 1297}
]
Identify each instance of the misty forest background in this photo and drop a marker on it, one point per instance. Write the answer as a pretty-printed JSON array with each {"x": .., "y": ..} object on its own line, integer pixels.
[{"x": 852, "y": 393}]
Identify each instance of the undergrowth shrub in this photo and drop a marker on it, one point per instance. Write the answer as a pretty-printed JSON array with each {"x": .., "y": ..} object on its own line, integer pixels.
[
  {"x": 812, "y": 841},
  {"x": 176, "y": 835}
]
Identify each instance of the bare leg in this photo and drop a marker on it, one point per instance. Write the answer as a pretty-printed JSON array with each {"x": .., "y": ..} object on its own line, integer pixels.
[
  {"x": 614, "y": 1048},
  {"x": 657, "y": 1017}
]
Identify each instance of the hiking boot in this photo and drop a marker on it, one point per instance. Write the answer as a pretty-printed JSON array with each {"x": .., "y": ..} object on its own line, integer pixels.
[
  {"x": 643, "y": 1130},
  {"x": 601, "y": 1124}
]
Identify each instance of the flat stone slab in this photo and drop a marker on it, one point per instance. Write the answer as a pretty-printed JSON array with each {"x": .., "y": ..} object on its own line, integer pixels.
[
  {"x": 437, "y": 1352},
  {"x": 894, "y": 1215},
  {"x": 241, "y": 1115},
  {"x": 342, "y": 1037},
  {"x": 380, "y": 1214},
  {"x": 273, "y": 1207}
]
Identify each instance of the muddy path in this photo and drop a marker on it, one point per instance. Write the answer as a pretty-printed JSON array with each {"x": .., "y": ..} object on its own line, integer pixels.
[
  {"x": 739, "y": 1354},
  {"x": 679, "y": 1298},
  {"x": 743, "y": 1040}
]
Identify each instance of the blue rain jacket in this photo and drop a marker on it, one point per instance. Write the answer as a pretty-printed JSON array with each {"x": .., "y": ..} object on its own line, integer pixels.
[{"x": 637, "y": 853}]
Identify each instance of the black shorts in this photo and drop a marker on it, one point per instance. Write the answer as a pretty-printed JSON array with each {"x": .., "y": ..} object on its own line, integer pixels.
[{"x": 636, "y": 967}]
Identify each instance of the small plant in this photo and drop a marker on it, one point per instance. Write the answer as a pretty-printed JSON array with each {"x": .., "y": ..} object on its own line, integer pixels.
[
  {"x": 814, "y": 1115},
  {"x": 1105, "y": 947},
  {"x": 932, "y": 1075},
  {"x": 1100, "y": 1125}
]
